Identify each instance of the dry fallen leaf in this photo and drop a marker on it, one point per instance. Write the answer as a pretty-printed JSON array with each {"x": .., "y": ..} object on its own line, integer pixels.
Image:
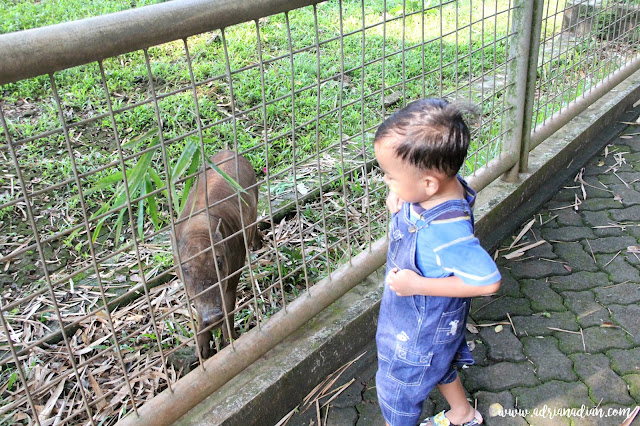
[
  {"x": 499, "y": 328},
  {"x": 626, "y": 137},
  {"x": 471, "y": 344},
  {"x": 495, "y": 409},
  {"x": 600, "y": 163},
  {"x": 522, "y": 250},
  {"x": 472, "y": 328},
  {"x": 608, "y": 324},
  {"x": 617, "y": 198},
  {"x": 633, "y": 249},
  {"x": 567, "y": 267},
  {"x": 526, "y": 229}
]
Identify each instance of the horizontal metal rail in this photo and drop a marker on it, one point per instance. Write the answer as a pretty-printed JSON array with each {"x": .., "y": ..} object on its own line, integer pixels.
[
  {"x": 53, "y": 48},
  {"x": 546, "y": 129}
]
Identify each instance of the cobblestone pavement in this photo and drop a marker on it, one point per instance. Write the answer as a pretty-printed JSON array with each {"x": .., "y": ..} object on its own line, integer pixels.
[{"x": 568, "y": 312}]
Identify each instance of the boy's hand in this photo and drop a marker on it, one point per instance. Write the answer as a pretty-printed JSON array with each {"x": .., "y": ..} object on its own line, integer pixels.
[
  {"x": 402, "y": 281},
  {"x": 394, "y": 203}
]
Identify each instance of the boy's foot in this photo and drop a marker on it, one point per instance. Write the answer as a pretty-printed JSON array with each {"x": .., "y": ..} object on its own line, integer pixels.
[{"x": 441, "y": 420}]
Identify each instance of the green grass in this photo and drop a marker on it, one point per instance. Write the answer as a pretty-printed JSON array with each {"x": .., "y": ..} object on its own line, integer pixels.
[{"x": 290, "y": 123}]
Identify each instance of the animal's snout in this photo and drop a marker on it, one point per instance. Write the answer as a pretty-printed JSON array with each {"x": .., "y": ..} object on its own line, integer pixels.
[{"x": 212, "y": 316}]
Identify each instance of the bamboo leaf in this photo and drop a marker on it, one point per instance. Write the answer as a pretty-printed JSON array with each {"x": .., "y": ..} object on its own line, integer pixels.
[
  {"x": 143, "y": 137},
  {"x": 157, "y": 180},
  {"x": 143, "y": 192},
  {"x": 189, "y": 183},
  {"x": 139, "y": 171},
  {"x": 105, "y": 182},
  {"x": 235, "y": 185},
  {"x": 119, "y": 227},
  {"x": 186, "y": 158},
  {"x": 152, "y": 205}
]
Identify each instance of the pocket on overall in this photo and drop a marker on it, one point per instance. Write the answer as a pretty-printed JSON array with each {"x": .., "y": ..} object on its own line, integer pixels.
[
  {"x": 408, "y": 367},
  {"x": 451, "y": 325},
  {"x": 394, "y": 243}
]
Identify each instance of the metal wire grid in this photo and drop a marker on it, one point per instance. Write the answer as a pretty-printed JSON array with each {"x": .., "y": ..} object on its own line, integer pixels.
[
  {"x": 582, "y": 43},
  {"x": 332, "y": 197}
]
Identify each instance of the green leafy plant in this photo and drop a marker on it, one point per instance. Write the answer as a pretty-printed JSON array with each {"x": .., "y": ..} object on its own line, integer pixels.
[{"x": 142, "y": 179}]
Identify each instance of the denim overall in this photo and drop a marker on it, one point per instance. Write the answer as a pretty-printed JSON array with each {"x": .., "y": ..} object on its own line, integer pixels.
[{"x": 420, "y": 339}]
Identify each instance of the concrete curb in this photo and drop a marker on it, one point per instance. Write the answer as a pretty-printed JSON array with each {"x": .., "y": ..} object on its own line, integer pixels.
[{"x": 271, "y": 387}]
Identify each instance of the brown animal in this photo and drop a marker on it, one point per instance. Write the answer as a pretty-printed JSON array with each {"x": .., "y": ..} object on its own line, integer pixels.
[{"x": 195, "y": 234}]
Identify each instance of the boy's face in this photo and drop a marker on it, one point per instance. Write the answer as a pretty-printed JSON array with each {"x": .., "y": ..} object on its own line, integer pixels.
[{"x": 405, "y": 180}]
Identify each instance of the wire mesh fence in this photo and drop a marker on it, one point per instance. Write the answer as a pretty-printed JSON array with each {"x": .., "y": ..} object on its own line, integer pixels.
[
  {"x": 582, "y": 43},
  {"x": 98, "y": 162}
]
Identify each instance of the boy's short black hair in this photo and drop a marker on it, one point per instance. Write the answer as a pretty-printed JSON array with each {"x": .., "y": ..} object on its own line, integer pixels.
[{"x": 429, "y": 133}]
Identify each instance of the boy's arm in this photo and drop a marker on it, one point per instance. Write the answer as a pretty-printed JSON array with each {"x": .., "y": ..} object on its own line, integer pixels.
[{"x": 405, "y": 282}]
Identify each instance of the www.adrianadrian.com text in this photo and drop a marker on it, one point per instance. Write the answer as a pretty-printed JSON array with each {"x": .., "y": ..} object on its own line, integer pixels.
[{"x": 582, "y": 412}]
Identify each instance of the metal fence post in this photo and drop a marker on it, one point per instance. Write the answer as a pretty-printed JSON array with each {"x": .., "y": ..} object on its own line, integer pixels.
[
  {"x": 534, "y": 53},
  {"x": 519, "y": 62}
]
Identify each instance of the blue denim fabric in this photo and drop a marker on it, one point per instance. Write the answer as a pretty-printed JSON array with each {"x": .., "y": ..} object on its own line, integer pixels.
[{"x": 420, "y": 339}]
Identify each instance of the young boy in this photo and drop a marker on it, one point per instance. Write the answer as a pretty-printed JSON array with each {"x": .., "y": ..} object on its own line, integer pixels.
[{"x": 434, "y": 264}]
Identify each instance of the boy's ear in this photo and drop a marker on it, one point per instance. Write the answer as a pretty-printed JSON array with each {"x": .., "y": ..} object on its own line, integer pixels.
[{"x": 431, "y": 184}]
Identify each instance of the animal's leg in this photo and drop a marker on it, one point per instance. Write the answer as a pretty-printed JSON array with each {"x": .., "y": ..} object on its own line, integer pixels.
[{"x": 204, "y": 339}]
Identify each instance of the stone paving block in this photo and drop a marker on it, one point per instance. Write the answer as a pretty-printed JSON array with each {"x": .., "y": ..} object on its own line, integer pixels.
[
  {"x": 604, "y": 385},
  {"x": 548, "y": 219},
  {"x": 630, "y": 214},
  {"x": 611, "y": 179},
  {"x": 633, "y": 380},
  {"x": 630, "y": 196},
  {"x": 480, "y": 353},
  {"x": 500, "y": 376},
  {"x": 569, "y": 217},
  {"x": 503, "y": 346},
  {"x": 625, "y": 361},
  {"x": 587, "y": 310},
  {"x": 579, "y": 281},
  {"x": 509, "y": 286},
  {"x": 596, "y": 167},
  {"x": 576, "y": 257},
  {"x": 562, "y": 197},
  {"x": 537, "y": 268},
  {"x": 609, "y": 244},
  {"x": 567, "y": 233},
  {"x": 601, "y": 218},
  {"x": 633, "y": 231},
  {"x": 597, "y": 204},
  {"x": 370, "y": 394},
  {"x": 618, "y": 269},
  {"x": 542, "y": 297},
  {"x": 631, "y": 257},
  {"x": 538, "y": 325},
  {"x": 551, "y": 363},
  {"x": 633, "y": 158},
  {"x": 508, "y": 417},
  {"x": 555, "y": 395},
  {"x": 594, "y": 189},
  {"x": 628, "y": 317},
  {"x": 350, "y": 396},
  {"x": 495, "y": 308},
  {"x": 621, "y": 294},
  {"x": 342, "y": 416},
  {"x": 596, "y": 340},
  {"x": 369, "y": 415},
  {"x": 542, "y": 251}
]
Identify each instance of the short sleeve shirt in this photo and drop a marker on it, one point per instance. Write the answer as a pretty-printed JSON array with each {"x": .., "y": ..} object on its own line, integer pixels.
[{"x": 447, "y": 245}]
